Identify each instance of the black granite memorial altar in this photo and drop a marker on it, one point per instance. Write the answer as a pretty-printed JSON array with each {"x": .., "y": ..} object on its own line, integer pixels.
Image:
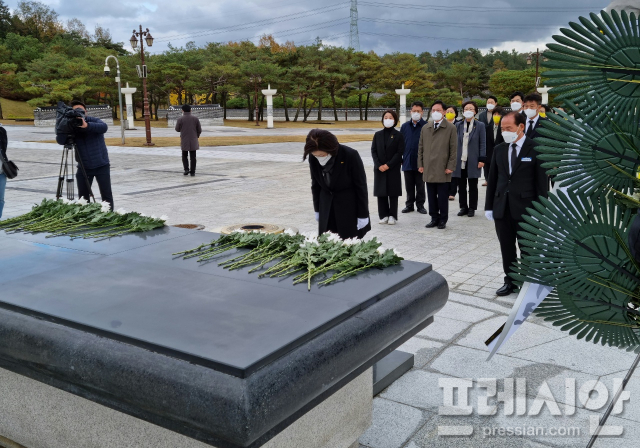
[{"x": 223, "y": 357}]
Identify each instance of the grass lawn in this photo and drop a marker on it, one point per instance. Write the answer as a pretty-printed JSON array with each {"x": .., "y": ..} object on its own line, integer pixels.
[
  {"x": 227, "y": 141},
  {"x": 232, "y": 141},
  {"x": 16, "y": 109}
]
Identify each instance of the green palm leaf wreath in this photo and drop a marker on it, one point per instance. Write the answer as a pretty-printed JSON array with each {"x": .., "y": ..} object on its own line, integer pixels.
[{"x": 577, "y": 241}]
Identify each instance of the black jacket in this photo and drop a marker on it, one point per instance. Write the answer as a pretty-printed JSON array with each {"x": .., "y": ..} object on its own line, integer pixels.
[
  {"x": 388, "y": 183},
  {"x": 347, "y": 196},
  {"x": 521, "y": 188}
]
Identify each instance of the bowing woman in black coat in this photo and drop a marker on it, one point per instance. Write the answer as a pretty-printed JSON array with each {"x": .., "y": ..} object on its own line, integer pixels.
[
  {"x": 386, "y": 150},
  {"x": 338, "y": 186}
]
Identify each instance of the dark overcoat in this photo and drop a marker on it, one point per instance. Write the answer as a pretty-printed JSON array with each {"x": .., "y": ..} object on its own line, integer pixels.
[
  {"x": 347, "y": 196},
  {"x": 476, "y": 149},
  {"x": 388, "y": 183},
  {"x": 189, "y": 128}
]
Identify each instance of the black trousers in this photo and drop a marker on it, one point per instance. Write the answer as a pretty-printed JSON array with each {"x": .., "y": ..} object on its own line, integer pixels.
[
  {"x": 438, "y": 195},
  {"x": 185, "y": 160},
  {"x": 388, "y": 206},
  {"x": 473, "y": 190},
  {"x": 102, "y": 176},
  {"x": 414, "y": 185},
  {"x": 453, "y": 186},
  {"x": 507, "y": 230}
]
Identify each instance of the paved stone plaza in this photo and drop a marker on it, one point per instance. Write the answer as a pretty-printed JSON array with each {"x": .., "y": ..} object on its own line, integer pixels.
[{"x": 268, "y": 183}]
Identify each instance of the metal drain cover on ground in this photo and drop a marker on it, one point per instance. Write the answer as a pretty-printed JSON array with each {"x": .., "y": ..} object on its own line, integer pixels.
[{"x": 256, "y": 227}]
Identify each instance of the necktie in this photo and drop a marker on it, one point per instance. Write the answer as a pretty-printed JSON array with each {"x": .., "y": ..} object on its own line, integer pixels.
[
  {"x": 435, "y": 126},
  {"x": 514, "y": 157},
  {"x": 530, "y": 130}
]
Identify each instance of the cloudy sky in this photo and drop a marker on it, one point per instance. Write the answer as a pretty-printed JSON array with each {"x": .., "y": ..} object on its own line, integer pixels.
[{"x": 384, "y": 26}]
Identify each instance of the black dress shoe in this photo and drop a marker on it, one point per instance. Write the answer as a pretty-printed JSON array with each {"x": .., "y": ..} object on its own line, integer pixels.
[
  {"x": 442, "y": 225},
  {"x": 407, "y": 209},
  {"x": 422, "y": 210},
  {"x": 433, "y": 223},
  {"x": 463, "y": 211},
  {"x": 186, "y": 172},
  {"x": 506, "y": 289},
  {"x": 193, "y": 174},
  {"x": 471, "y": 213}
]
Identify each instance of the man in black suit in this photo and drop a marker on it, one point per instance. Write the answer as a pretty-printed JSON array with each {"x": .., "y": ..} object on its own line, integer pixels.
[
  {"x": 516, "y": 179},
  {"x": 532, "y": 103}
]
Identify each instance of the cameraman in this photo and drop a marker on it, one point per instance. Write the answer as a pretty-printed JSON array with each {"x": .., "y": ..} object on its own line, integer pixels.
[{"x": 92, "y": 149}]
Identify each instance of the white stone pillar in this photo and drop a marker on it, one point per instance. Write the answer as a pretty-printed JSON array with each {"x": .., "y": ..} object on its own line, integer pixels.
[
  {"x": 128, "y": 99},
  {"x": 269, "y": 94},
  {"x": 544, "y": 91},
  {"x": 403, "y": 104}
]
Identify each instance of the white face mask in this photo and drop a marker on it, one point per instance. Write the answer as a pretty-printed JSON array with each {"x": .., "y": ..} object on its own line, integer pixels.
[
  {"x": 323, "y": 160},
  {"x": 516, "y": 106},
  {"x": 388, "y": 122},
  {"x": 468, "y": 114},
  {"x": 416, "y": 116},
  {"x": 437, "y": 116},
  {"x": 530, "y": 113},
  {"x": 491, "y": 106},
  {"x": 509, "y": 137}
]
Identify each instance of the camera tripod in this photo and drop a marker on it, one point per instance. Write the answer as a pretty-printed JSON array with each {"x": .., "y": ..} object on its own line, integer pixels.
[{"x": 70, "y": 151}]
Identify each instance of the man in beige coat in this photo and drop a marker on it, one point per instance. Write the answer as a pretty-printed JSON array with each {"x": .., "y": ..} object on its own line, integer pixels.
[{"x": 437, "y": 155}]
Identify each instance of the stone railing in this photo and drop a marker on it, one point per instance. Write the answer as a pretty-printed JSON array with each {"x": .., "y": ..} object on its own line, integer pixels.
[
  {"x": 46, "y": 116},
  {"x": 209, "y": 114}
]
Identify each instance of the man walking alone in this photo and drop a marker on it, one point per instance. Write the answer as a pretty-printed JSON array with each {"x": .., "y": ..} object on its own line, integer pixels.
[{"x": 189, "y": 128}]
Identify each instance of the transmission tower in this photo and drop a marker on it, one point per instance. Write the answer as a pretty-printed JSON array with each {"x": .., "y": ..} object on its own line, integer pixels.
[{"x": 354, "y": 40}]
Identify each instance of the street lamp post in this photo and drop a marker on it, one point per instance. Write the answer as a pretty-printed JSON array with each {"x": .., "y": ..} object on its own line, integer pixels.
[
  {"x": 144, "y": 36},
  {"x": 106, "y": 72},
  {"x": 529, "y": 62}
]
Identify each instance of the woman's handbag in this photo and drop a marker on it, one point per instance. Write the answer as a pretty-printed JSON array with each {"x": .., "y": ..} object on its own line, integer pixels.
[{"x": 8, "y": 167}]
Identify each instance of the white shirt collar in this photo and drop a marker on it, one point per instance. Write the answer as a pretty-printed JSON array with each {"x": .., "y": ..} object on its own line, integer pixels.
[
  {"x": 535, "y": 120},
  {"x": 519, "y": 144}
]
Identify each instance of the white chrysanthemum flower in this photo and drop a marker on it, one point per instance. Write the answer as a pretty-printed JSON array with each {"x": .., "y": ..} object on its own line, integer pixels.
[
  {"x": 333, "y": 237},
  {"x": 153, "y": 217},
  {"x": 105, "y": 206},
  {"x": 290, "y": 232},
  {"x": 164, "y": 218},
  {"x": 66, "y": 201},
  {"x": 121, "y": 211},
  {"x": 82, "y": 201},
  {"x": 381, "y": 250},
  {"x": 350, "y": 241},
  {"x": 396, "y": 253}
]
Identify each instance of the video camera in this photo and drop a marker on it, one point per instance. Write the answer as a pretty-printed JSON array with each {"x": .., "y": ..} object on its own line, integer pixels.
[{"x": 68, "y": 119}]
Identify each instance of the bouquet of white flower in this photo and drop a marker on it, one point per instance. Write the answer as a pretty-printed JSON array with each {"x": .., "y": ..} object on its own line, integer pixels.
[
  {"x": 80, "y": 219},
  {"x": 313, "y": 255}
]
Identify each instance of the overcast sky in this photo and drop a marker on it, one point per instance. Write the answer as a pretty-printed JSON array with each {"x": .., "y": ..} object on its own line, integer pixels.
[{"x": 384, "y": 26}]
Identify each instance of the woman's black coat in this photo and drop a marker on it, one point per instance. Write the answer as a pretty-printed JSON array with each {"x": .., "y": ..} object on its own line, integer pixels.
[
  {"x": 388, "y": 183},
  {"x": 347, "y": 196}
]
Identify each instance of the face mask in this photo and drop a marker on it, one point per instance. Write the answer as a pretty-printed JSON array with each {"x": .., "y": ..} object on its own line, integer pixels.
[
  {"x": 450, "y": 116},
  {"x": 509, "y": 137},
  {"x": 388, "y": 123},
  {"x": 543, "y": 114},
  {"x": 491, "y": 106},
  {"x": 516, "y": 106},
  {"x": 530, "y": 113},
  {"x": 437, "y": 116},
  {"x": 323, "y": 160},
  {"x": 416, "y": 116},
  {"x": 496, "y": 119},
  {"x": 468, "y": 114}
]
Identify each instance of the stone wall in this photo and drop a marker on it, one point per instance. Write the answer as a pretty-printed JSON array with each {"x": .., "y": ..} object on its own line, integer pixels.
[
  {"x": 209, "y": 114},
  {"x": 46, "y": 116}
]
